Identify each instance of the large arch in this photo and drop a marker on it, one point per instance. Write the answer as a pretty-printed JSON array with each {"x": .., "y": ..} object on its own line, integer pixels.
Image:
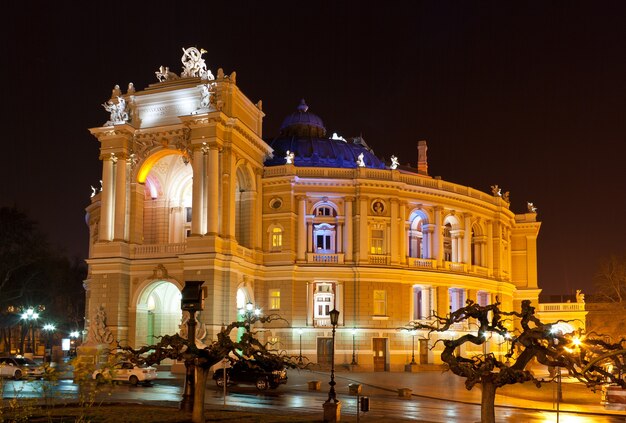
[
  {"x": 157, "y": 312},
  {"x": 244, "y": 205}
]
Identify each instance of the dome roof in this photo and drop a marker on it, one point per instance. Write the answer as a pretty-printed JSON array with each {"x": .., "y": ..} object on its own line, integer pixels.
[
  {"x": 302, "y": 123},
  {"x": 303, "y": 134}
]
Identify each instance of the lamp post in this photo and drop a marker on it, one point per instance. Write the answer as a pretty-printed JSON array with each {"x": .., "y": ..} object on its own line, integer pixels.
[
  {"x": 30, "y": 316},
  {"x": 49, "y": 329},
  {"x": 74, "y": 337},
  {"x": 191, "y": 301},
  {"x": 413, "y": 347},
  {"x": 354, "y": 363},
  {"x": 300, "y": 355},
  {"x": 332, "y": 407}
]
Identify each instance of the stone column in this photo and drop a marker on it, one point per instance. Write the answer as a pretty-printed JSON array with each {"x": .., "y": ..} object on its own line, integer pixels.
[
  {"x": 467, "y": 241},
  {"x": 394, "y": 244},
  {"x": 402, "y": 238},
  {"x": 302, "y": 228},
  {"x": 489, "y": 226},
  {"x": 438, "y": 238},
  {"x": 455, "y": 250},
  {"x": 197, "y": 192},
  {"x": 120, "y": 227},
  {"x": 349, "y": 236},
  {"x": 363, "y": 232},
  {"x": 213, "y": 180},
  {"x": 339, "y": 241},
  {"x": 107, "y": 199}
]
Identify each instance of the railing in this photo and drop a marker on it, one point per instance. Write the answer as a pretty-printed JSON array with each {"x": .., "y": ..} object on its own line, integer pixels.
[
  {"x": 324, "y": 322},
  {"x": 152, "y": 250},
  {"x": 423, "y": 263},
  {"x": 386, "y": 175},
  {"x": 379, "y": 259},
  {"x": 561, "y": 307},
  {"x": 479, "y": 270},
  {"x": 456, "y": 267},
  {"x": 325, "y": 258}
]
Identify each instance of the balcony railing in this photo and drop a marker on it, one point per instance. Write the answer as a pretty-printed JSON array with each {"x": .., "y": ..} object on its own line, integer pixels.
[
  {"x": 557, "y": 307},
  {"x": 322, "y": 322},
  {"x": 423, "y": 263},
  {"x": 455, "y": 267},
  {"x": 329, "y": 258},
  {"x": 158, "y": 250},
  {"x": 379, "y": 259}
]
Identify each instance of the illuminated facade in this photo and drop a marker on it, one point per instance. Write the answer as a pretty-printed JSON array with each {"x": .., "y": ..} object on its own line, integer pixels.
[{"x": 298, "y": 225}]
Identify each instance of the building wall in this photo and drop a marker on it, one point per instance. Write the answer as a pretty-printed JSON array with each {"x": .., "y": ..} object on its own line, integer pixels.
[{"x": 344, "y": 235}]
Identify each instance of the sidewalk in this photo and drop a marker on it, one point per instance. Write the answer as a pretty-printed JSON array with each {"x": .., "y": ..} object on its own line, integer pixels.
[{"x": 435, "y": 384}]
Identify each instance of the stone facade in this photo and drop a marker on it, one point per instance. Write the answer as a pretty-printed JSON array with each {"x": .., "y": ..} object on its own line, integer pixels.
[{"x": 191, "y": 191}]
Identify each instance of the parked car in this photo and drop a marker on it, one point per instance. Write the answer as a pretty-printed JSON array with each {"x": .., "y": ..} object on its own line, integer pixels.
[
  {"x": 125, "y": 371},
  {"x": 20, "y": 367},
  {"x": 250, "y": 372}
]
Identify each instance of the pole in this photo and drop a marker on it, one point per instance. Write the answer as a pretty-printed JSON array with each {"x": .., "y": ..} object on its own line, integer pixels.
[
  {"x": 413, "y": 350},
  {"x": 332, "y": 395},
  {"x": 558, "y": 392},
  {"x": 225, "y": 380},
  {"x": 188, "y": 393},
  {"x": 353, "y": 347},
  {"x": 357, "y": 406},
  {"x": 300, "y": 356}
]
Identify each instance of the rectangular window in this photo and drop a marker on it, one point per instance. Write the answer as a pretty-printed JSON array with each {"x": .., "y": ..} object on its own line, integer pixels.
[
  {"x": 377, "y": 241},
  {"x": 188, "y": 214},
  {"x": 274, "y": 299},
  {"x": 277, "y": 239},
  {"x": 380, "y": 302}
]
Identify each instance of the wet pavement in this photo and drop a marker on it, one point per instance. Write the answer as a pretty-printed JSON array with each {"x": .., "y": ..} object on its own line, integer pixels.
[{"x": 436, "y": 397}]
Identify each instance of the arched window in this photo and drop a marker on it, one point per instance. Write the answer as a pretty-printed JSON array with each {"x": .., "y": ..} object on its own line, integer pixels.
[
  {"x": 447, "y": 242},
  {"x": 416, "y": 238}
]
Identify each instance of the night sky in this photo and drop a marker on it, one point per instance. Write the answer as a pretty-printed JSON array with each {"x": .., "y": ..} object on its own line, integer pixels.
[{"x": 527, "y": 95}]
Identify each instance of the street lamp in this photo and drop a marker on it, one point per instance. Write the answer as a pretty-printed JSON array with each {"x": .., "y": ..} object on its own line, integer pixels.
[
  {"x": 354, "y": 363},
  {"x": 49, "y": 329},
  {"x": 413, "y": 347},
  {"x": 73, "y": 336},
  {"x": 300, "y": 356},
  {"x": 332, "y": 406},
  {"x": 191, "y": 301},
  {"x": 30, "y": 316}
]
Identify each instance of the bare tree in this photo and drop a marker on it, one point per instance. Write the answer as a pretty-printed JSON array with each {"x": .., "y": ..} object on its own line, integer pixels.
[
  {"x": 610, "y": 280},
  {"x": 585, "y": 358},
  {"x": 248, "y": 348}
]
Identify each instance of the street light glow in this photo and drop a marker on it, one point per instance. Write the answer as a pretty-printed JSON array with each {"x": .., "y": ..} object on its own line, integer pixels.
[{"x": 49, "y": 327}]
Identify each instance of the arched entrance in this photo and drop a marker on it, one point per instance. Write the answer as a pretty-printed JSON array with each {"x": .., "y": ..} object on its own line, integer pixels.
[{"x": 158, "y": 312}]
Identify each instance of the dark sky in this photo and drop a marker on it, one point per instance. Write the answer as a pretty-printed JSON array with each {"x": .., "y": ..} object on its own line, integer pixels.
[{"x": 527, "y": 95}]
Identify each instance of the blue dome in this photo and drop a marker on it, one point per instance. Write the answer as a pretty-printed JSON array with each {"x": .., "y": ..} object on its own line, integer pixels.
[
  {"x": 302, "y": 123},
  {"x": 303, "y": 134}
]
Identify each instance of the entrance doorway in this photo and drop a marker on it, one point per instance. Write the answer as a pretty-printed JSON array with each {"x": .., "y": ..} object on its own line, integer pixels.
[
  {"x": 324, "y": 351},
  {"x": 158, "y": 312},
  {"x": 380, "y": 354}
]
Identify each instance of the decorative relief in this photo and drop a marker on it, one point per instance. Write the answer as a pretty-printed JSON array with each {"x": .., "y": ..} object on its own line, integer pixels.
[
  {"x": 99, "y": 333},
  {"x": 118, "y": 110},
  {"x": 143, "y": 145},
  {"x": 394, "y": 162},
  {"x": 378, "y": 207},
  {"x": 160, "y": 272},
  {"x": 276, "y": 203}
]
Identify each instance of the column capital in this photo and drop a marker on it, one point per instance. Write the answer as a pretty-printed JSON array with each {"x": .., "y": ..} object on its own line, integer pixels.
[
  {"x": 301, "y": 197},
  {"x": 349, "y": 198}
]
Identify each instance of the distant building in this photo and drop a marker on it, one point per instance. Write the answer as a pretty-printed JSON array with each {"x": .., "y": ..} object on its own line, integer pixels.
[{"x": 297, "y": 226}]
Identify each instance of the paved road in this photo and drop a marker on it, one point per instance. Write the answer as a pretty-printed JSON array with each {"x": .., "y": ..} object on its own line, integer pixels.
[{"x": 296, "y": 398}]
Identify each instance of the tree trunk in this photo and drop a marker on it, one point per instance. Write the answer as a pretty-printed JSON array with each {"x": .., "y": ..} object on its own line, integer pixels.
[
  {"x": 487, "y": 403},
  {"x": 197, "y": 415}
]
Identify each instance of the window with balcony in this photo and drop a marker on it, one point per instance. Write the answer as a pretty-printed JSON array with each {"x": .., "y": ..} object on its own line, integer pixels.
[
  {"x": 457, "y": 298},
  {"x": 380, "y": 302},
  {"x": 377, "y": 241},
  {"x": 416, "y": 238},
  {"x": 274, "y": 299},
  {"x": 324, "y": 238}
]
